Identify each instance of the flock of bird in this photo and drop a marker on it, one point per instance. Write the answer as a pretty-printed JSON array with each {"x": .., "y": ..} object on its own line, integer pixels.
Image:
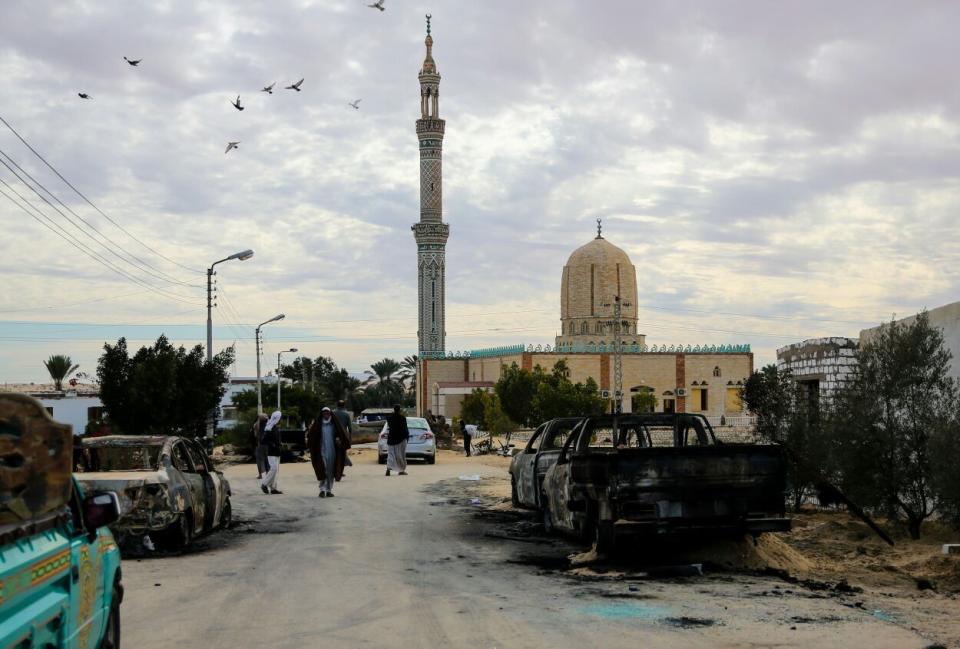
[{"x": 267, "y": 89}]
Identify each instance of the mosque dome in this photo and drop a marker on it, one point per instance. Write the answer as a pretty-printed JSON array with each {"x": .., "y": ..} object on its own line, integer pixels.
[{"x": 594, "y": 275}]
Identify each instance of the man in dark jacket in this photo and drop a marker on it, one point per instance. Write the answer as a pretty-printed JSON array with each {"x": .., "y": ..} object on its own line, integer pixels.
[
  {"x": 344, "y": 418},
  {"x": 397, "y": 434}
]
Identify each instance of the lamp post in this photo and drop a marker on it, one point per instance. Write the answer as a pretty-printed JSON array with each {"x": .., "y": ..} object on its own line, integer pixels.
[
  {"x": 242, "y": 256},
  {"x": 259, "y": 396},
  {"x": 285, "y": 351}
]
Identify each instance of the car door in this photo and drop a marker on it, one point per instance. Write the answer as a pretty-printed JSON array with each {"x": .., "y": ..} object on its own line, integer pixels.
[
  {"x": 191, "y": 482},
  {"x": 556, "y": 484},
  {"x": 553, "y": 440},
  {"x": 212, "y": 485},
  {"x": 86, "y": 585},
  {"x": 523, "y": 469}
]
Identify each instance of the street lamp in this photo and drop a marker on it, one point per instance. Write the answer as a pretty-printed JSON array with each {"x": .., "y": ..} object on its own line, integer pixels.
[
  {"x": 242, "y": 256},
  {"x": 259, "y": 397},
  {"x": 285, "y": 351}
]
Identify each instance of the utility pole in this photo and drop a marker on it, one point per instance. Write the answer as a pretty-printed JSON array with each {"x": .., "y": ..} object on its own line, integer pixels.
[
  {"x": 259, "y": 391},
  {"x": 618, "y": 305},
  {"x": 293, "y": 349}
]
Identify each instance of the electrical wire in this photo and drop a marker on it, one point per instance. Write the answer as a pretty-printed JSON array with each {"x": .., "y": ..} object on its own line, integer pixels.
[
  {"x": 90, "y": 203},
  {"x": 60, "y": 232},
  {"x": 137, "y": 263}
]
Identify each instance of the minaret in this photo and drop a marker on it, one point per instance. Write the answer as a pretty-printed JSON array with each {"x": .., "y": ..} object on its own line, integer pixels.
[{"x": 431, "y": 232}]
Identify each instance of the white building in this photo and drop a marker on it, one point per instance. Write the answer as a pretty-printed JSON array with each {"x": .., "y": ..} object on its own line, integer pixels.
[
  {"x": 76, "y": 406},
  {"x": 237, "y": 384},
  {"x": 945, "y": 318}
]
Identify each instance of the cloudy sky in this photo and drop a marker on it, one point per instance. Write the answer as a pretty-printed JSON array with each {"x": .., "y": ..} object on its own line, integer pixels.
[{"x": 777, "y": 171}]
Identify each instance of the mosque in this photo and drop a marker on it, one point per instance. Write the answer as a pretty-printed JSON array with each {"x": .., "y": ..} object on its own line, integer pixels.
[{"x": 598, "y": 315}]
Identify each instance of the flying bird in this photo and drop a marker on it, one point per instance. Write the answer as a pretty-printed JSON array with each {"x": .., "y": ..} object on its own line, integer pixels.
[
  {"x": 268, "y": 89},
  {"x": 133, "y": 63},
  {"x": 232, "y": 145},
  {"x": 355, "y": 104},
  {"x": 83, "y": 95},
  {"x": 295, "y": 86},
  {"x": 377, "y": 5},
  {"x": 236, "y": 104}
]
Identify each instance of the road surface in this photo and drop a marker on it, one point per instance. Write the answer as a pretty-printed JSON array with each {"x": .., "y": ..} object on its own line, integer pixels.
[{"x": 408, "y": 561}]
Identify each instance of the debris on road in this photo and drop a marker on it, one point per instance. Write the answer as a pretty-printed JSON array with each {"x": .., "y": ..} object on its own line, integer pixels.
[{"x": 471, "y": 478}]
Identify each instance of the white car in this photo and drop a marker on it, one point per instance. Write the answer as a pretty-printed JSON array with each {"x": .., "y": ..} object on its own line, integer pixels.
[{"x": 421, "y": 442}]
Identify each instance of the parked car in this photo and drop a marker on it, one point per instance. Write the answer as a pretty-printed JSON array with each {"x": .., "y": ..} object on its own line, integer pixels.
[
  {"x": 166, "y": 485},
  {"x": 656, "y": 474},
  {"x": 421, "y": 444},
  {"x": 60, "y": 581},
  {"x": 528, "y": 468}
]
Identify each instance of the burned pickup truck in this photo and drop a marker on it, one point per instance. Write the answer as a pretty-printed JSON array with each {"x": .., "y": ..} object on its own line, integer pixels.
[{"x": 655, "y": 474}]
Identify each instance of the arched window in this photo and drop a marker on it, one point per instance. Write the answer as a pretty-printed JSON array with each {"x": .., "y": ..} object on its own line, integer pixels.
[
  {"x": 716, "y": 370},
  {"x": 584, "y": 328},
  {"x": 599, "y": 327}
]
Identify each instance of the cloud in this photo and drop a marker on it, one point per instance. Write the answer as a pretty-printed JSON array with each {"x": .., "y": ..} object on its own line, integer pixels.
[{"x": 793, "y": 165}]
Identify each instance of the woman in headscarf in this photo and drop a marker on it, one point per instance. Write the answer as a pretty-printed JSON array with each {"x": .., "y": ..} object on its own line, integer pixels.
[
  {"x": 270, "y": 440},
  {"x": 328, "y": 444}
]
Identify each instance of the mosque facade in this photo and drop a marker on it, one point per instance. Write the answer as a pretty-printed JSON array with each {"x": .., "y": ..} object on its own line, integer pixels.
[{"x": 598, "y": 316}]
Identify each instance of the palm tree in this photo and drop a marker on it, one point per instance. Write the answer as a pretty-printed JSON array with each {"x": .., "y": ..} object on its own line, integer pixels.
[
  {"x": 381, "y": 379},
  {"x": 409, "y": 365},
  {"x": 60, "y": 367}
]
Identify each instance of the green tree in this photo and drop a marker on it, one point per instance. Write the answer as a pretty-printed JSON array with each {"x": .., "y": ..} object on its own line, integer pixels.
[
  {"x": 409, "y": 371},
  {"x": 495, "y": 419},
  {"x": 886, "y": 422},
  {"x": 296, "y": 402},
  {"x": 161, "y": 389},
  {"x": 789, "y": 414},
  {"x": 644, "y": 400},
  {"x": 473, "y": 406},
  {"x": 60, "y": 367},
  {"x": 531, "y": 397},
  {"x": 383, "y": 385}
]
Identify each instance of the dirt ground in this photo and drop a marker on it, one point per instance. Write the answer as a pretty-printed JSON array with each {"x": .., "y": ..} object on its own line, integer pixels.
[
  {"x": 431, "y": 560},
  {"x": 833, "y": 551}
]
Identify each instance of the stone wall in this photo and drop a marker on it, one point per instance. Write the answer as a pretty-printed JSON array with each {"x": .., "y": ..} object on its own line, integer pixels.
[{"x": 830, "y": 361}]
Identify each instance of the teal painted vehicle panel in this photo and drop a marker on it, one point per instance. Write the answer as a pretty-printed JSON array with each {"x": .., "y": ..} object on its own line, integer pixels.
[{"x": 57, "y": 586}]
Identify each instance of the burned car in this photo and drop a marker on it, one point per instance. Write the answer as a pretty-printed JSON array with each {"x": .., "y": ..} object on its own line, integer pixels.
[
  {"x": 167, "y": 485},
  {"x": 661, "y": 474}
]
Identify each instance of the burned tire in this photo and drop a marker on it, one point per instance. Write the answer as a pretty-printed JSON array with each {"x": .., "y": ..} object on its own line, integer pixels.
[
  {"x": 180, "y": 535},
  {"x": 604, "y": 537},
  {"x": 547, "y": 520},
  {"x": 226, "y": 516},
  {"x": 514, "y": 496},
  {"x": 111, "y": 635}
]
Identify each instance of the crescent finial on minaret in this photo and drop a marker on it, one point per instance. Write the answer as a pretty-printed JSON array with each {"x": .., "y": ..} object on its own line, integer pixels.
[
  {"x": 428, "y": 24},
  {"x": 599, "y": 229}
]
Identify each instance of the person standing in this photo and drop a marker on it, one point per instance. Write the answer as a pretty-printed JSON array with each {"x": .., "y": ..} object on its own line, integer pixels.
[
  {"x": 397, "y": 434},
  {"x": 466, "y": 436},
  {"x": 344, "y": 417},
  {"x": 328, "y": 443},
  {"x": 270, "y": 440},
  {"x": 259, "y": 451}
]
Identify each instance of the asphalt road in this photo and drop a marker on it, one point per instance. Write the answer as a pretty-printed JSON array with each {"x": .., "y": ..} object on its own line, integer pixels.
[{"x": 408, "y": 561}]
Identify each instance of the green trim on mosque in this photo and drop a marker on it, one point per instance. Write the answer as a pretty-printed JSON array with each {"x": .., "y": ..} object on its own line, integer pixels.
[{"x": 511, "y": 350}]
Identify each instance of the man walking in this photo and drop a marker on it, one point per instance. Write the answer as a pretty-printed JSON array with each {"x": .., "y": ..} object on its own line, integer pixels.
[
  {"x": 466, "y": 436},
  {"x": 328, "y": 444},
  {"x": 397, "y": 434},
  {"x": 259, "y": 451},
  {"x": 270, "y": 440},
  {"x": 344, "y": 418}
]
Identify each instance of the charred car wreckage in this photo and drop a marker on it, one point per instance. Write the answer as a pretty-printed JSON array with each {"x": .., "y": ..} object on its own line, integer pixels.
[
  {"x": 167, "y": 486},
  {"x": 613, "y": 477}
]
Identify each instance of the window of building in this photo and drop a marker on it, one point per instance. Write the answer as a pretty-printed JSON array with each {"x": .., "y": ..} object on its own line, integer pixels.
[
  {"x": 599, "y": 328},
  {"x": 669, "y": 405},
  {"x": 716, "y": 371},
  {"x": 734, "y": 402},
  {"x": 584, "y": 328},
  {"x": 698, "y": 399}
]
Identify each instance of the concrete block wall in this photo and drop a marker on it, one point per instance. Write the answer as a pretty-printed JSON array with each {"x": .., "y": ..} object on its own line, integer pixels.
[{"x": 831, "y": 361}]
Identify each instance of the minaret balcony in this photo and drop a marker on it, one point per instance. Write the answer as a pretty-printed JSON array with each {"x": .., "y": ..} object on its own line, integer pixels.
[{"x": 431, "y": 125}]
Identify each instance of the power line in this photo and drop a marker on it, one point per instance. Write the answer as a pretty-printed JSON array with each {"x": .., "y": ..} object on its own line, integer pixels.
[
  {"x": 90, "y": 203},
  {"x": 69, "y": 304},
  {"x": 60, "y": 232},
  {"x": 139, "y": 266}
]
